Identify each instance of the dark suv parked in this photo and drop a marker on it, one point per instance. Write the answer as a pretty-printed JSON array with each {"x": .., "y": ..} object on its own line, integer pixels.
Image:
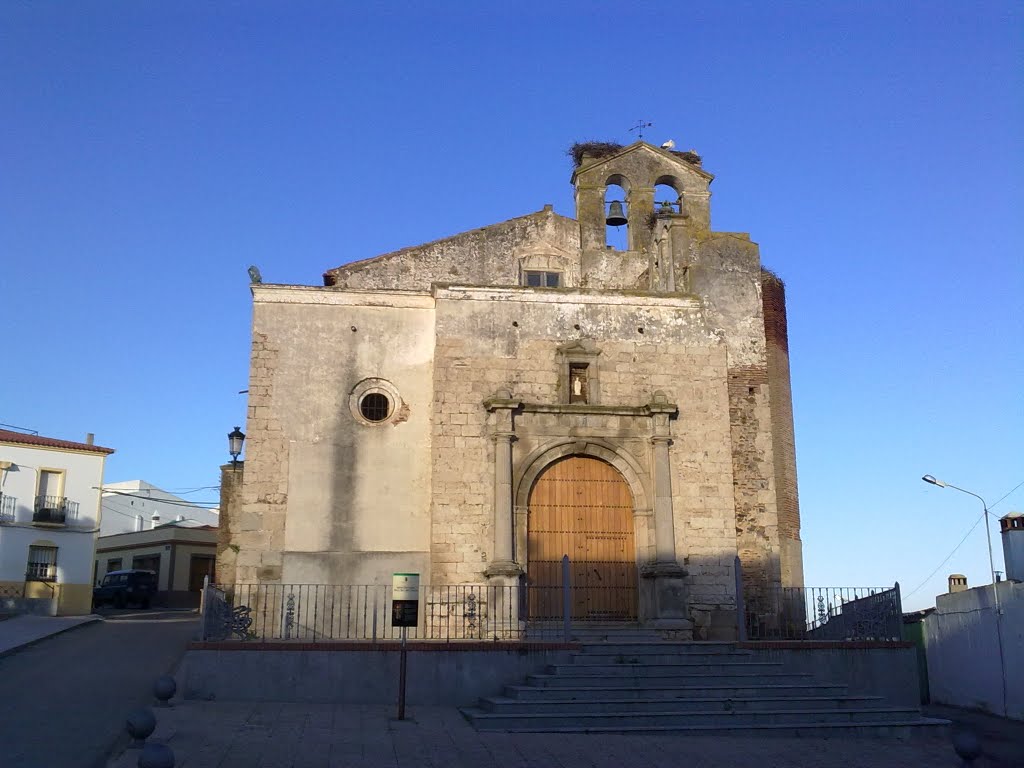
[{"x": 120, "y": 588}]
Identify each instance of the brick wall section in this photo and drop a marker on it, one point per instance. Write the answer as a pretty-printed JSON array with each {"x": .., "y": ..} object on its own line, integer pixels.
[
  {"x": 753, "y": 477},
  {"x": 773, "y": 294}
]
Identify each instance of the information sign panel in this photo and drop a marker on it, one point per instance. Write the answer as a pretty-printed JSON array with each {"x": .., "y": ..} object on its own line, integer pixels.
[{"x": 405, "y": 599}]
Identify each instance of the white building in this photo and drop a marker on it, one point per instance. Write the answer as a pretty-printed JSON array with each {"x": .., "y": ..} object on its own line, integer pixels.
[
  {"x": 49, "y": 520},
  {"x": 180, "y": 553},
  {"x": 135, "y": 505}
]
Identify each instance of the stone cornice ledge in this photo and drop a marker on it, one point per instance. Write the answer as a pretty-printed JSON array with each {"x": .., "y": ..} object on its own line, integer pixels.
[
  {"x": 263, "y": 293},
  {"x": 562, "y": 296},
  {"x": 600, "y": 410}
]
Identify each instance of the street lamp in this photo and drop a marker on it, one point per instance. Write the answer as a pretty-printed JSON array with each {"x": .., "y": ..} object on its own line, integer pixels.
[
  {"x": 995, "y": 587},
  {"x": 991, "y": 563},
  {"x": 235, "y": 439}
]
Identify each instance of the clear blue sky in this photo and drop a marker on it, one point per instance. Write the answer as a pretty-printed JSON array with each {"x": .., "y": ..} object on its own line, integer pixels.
[{"x": 149, "y": 152}]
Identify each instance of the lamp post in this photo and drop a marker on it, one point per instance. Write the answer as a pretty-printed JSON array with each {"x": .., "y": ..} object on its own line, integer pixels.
[
  {"x": 995, "y": 587},
  {"x": 988, "y": 530},
  {"x": 235, "y": 439}
]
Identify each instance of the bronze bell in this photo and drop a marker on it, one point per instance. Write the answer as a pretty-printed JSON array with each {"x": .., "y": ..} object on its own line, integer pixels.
[{"x": 616, "y": 217}]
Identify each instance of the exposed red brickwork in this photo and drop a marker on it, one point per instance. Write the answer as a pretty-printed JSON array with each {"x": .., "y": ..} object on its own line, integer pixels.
[
  {"x": 773, "y": 295},
  {"x": 756, "y": 528}
]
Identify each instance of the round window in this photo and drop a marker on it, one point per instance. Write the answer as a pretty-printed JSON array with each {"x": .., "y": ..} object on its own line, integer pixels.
[
  {"x": 375, "y": 402},
  {"x": 375, "y": 406}
]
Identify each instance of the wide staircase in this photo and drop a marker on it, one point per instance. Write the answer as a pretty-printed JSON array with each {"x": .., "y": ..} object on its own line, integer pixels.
[{"x": 639, "y": 683}]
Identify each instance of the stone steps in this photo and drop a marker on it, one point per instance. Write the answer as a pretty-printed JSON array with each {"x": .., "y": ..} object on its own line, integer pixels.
[
  {"x": 500, "y": 721},
  {"x": 662, "y": 665},
  {"x": 633, "y": 683},
  {"x": 678, "y": 679},
  {"x": 625, "y": 691},
  {"x": 611, "y": 704}
]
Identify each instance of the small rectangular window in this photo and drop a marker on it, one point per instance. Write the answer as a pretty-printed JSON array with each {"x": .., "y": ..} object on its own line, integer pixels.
[
  {"x": 146, "y": 563},
  {"x": 114, "y": 564},
  {"x": 42, "y": 564},
  {"x": 538, "y": 279}
]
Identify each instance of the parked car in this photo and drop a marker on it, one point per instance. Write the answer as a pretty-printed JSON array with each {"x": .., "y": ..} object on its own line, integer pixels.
[{"x": 119, "y": 588}]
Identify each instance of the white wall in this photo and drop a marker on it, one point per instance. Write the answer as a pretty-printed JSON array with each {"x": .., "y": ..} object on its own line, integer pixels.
[
  {"x": 83, "y": 475},
  {"x": 963, "y": 650},
  {"x": 123, "y": 502}
]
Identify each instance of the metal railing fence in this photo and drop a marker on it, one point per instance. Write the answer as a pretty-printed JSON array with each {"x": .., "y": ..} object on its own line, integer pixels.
[
  {"x": 322, "y": 612},
  {"x": 822, "y": 613}
]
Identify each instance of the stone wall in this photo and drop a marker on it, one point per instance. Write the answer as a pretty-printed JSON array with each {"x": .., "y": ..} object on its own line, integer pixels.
[
  {"x": 773, "y": 294},
  {"x": 328, "y": 498},
  {"x": 486, "y": 343}
]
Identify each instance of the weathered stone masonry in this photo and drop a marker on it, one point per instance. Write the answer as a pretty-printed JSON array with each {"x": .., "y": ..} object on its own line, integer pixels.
[{"x": 667, "y": 361}]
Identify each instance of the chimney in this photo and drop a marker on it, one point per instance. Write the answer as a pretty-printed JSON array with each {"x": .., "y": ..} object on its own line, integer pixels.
[
  {"x": 155, "y": 519},
  {"x": 89, "y": 438},
  {"x": 1011, "y": 529},
  {"x": 138, "y": 523},
  {"x": 957, "y": 583}
]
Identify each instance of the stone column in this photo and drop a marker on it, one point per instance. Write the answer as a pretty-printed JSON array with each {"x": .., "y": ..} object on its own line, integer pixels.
[
  {"x": 668, "y": 597},
  {"x": 503, "y": 572}
]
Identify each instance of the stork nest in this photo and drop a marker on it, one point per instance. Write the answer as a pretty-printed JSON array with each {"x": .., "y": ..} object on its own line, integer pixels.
[
  {"x": 599, "y": 149},
  {"x": 768, "y": 276}
]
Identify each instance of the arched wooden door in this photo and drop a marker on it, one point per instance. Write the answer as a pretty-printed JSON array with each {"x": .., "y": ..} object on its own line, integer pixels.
[{"x": 582, "y": 507}]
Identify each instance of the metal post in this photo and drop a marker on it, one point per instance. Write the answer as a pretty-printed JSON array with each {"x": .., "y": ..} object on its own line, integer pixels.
[
  {"x": 741, "y": 608},
  {"x": 375, "y": 616},
  {"x": 566, "y": 601},
  {"x": 401, "y": 678}
]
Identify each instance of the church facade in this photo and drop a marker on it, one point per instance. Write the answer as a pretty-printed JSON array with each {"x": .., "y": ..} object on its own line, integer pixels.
[{"x": 476, "y": 408}]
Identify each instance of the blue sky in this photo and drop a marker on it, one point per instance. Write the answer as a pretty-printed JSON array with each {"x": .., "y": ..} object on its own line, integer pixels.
[{"x": 149, "y": 152}]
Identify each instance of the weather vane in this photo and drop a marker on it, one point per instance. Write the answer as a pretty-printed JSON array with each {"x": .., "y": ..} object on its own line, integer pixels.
[{"x": 639, "y": 128}]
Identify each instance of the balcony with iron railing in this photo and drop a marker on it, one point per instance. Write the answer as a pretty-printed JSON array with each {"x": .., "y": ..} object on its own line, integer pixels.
[
  {"x": 54, "y": 510},
  {"x": 8, "y": 504}
]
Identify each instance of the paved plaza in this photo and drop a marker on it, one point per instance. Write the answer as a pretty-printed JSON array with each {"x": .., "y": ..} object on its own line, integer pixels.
[{"x": 237, "y": 735}]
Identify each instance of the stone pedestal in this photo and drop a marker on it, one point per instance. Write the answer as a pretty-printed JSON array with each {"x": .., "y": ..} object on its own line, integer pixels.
[
  {"x": 667, "y": 600},
  {"x": 503, "y": 589}
]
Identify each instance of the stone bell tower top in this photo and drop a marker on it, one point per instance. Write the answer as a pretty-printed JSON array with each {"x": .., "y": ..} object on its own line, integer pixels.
[{"x": 657, "y": 184}]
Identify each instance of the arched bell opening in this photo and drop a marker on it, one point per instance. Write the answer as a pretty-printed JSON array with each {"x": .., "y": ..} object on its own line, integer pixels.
[
  {"x": 668, "y": 196},
  {"x": 616, "y": 207}
]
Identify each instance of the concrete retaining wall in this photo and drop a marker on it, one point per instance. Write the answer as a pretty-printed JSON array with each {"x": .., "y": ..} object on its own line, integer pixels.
[
  {"x": 966, "y": 666},
  {"x": 869, "y": 669},
  {"x": 343, "y": 676}
]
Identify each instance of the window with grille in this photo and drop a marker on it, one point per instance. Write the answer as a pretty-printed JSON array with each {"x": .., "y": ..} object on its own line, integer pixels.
[
  {"x": 42, "y": 564},
  {"x": 375, "y": 406},
  {"x": 538, "y": 279}
]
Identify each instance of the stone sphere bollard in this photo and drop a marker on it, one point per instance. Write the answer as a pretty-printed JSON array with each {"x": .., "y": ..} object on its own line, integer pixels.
[
  {"x": 164, "y": 689},
  {"x": 967, "y": 745},
  {"x": 140, "y": 724},
  {"x": 156, "y": 756}
]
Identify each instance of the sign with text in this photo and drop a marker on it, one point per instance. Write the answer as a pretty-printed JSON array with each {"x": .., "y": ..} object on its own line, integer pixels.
[{"x": 405, "y": 599}]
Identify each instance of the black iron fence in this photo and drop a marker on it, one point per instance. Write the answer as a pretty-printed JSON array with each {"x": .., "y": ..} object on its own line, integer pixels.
[
  {"x": 822, "y": 613},
  {"x": 524, "y": 612},
  {"x": 321, "y": 612}
]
